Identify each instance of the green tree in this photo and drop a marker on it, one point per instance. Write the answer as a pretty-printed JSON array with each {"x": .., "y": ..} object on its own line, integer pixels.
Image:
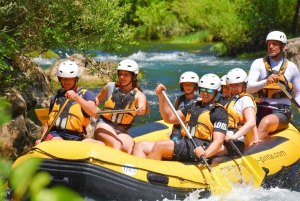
[{"x": 39, "y": 25}]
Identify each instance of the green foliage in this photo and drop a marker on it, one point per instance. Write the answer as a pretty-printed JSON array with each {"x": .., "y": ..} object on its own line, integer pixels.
[
  {"x": 5, "y": 116},
  {"x": 157, "y": 20},
  {"x": 240, "y": 25},
  {"x": 27, "y": 27},
  {"x": 26, "y": 181},
  {"x": 198, "y": 37}
]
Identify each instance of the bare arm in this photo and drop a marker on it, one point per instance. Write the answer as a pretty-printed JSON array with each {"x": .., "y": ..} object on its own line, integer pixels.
[
  {"x": 213, "y": 147},
  {"x": 249, "y": 114},
  {"x": 89, "y": 107},
  {"x": 141, "y": 98},
  {"x": 101, "y": 95},
  {"x": 43, "y": 134},
  {"x": 164, "y": 108}
]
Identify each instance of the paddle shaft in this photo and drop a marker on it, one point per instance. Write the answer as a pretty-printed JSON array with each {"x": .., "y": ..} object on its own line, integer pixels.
[
  {"x": 115, "y": 111},
  {"x": 235, "y": 148},
  {"x": 283, "y": 88},
  {"x": 57, "y": 115},
  {"x": 184, "y": 127}
]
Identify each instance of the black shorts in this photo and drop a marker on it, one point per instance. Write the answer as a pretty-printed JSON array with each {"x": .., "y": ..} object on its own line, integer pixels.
[
  {"x": 231, "y": 151},
  {"x": 283, "y": 112},
  {"x": 184, "y": 149}
]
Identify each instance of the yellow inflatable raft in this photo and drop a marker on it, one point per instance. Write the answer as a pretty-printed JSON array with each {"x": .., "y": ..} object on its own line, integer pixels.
[{"x": 102, "y": 173}]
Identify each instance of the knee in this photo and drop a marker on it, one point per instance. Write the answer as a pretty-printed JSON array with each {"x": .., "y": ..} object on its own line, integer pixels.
[{"x": 265, "y": 123}]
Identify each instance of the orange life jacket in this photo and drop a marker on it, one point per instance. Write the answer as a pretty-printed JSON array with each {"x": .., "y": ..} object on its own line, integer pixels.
[
  {"x": 198, "y": 123},
  {"x": 273, "y": 90},
  {"x": 116, "y": 101},
  {"x": 235, "y": 120},
  {"x": 71, "y": 118}
]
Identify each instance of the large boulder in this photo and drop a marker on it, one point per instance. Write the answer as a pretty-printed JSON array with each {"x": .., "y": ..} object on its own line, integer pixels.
[
  {"x": 18, "y": 135},
  {"x": 90, "y": 70},
  {"x": 292, "y": 51}
]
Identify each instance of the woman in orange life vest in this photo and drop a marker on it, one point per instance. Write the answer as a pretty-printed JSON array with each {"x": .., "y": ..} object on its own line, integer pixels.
[
  {"x": 112, "y": 129},
  {"x": 241, "y": 112},
  {"x": 273, "y": 106},
  {"x": 81, "y": 104},
  {"x": 188, "y": 83}
]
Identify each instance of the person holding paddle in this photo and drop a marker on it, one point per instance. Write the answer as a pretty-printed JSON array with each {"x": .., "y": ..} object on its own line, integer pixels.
[
  {"x": 241, "y": 110},
  {"x": 273, "y": 106},
  {"x": 112, "y": 128},
  {"x": 205, "y": 120},
  {"x": 188, "y": 83},
  {"x": 70, "y": 108}
]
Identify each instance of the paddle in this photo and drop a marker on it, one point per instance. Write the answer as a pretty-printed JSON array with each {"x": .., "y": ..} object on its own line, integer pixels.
[
  {"x": 251, "y": 165},
  {"x": 283, "y": 88},
  {"x": 223, "y": 184},
  {"x": 115, "y": 111},
  {"x": 57, "y": 115}
]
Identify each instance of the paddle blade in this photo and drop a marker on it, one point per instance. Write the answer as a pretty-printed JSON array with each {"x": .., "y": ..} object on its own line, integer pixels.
[
  {"x": 253, "y": 167},
  {"x": 219, "y": 184}
]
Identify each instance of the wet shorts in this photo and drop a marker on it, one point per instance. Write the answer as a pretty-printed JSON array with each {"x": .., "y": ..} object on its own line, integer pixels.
[
  {"x": 184, "y": 149},
  {"x": 231, "y": 151},
  {"x": 118, "y": 128},
  {"x": 65, "y": 136},
  {"x": 283, "y": 112}
]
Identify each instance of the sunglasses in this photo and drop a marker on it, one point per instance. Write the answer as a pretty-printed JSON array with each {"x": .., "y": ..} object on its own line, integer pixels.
[{"x": 210, "y": 91}]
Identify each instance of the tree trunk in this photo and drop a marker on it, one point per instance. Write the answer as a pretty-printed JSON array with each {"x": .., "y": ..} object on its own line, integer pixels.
[{"x": 295, "y": 20}]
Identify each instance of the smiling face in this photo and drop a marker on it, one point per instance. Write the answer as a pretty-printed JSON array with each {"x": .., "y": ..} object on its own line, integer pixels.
[
  {"x": 124, "y": 77},
  {"x": 207, "y": 94},
  {"x": 68, "y": 83},
  {"x": 236, "y": 88}
]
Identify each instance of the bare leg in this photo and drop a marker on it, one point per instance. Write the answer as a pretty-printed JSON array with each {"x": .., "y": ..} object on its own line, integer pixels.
[
  {"x": 106, "y": 134},
  {"x": 94, "y": 141},
  {"x": 267, "y": 125},
  {"x": 162, "y": 149},
  {"x": 57, "y": 138},
  {"x": 142, "y": 148},
  {"x": 127, "y": 142}
]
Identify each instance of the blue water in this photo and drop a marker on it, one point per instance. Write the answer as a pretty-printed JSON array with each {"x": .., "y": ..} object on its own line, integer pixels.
[{"x": 163, "y": 63}]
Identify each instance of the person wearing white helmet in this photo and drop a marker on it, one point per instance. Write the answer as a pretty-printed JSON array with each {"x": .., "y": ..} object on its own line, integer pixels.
[
  {"x": 241, "y": 110},
  {"x": 273, "y": 106},
  {"x": 188, "y": 83},
  {"x": 112, "y": 128},
  {"x": 206, "y": 121},
  {"x": 81, "y": 104},
  {"x": 225, "y": 93}
]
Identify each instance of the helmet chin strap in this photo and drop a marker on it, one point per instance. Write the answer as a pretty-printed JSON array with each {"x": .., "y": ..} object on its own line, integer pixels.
[{"x": 126, "y": 84}]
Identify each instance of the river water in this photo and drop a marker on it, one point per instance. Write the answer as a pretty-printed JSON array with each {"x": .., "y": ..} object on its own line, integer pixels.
[{"x": 164, "y": 63}]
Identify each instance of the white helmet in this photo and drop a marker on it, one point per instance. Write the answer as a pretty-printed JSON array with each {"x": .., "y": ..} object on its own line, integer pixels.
[
  {"x": 236, "y": 75},
  {"x": 210, "y": 81},
  {"x": 128, "y": 65},
  {"x": 68, "y": 69},
  {"x": 189, "y": 76},
  {"x": 276, "y": 35},
  {"x": 223, "y": 80}
]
